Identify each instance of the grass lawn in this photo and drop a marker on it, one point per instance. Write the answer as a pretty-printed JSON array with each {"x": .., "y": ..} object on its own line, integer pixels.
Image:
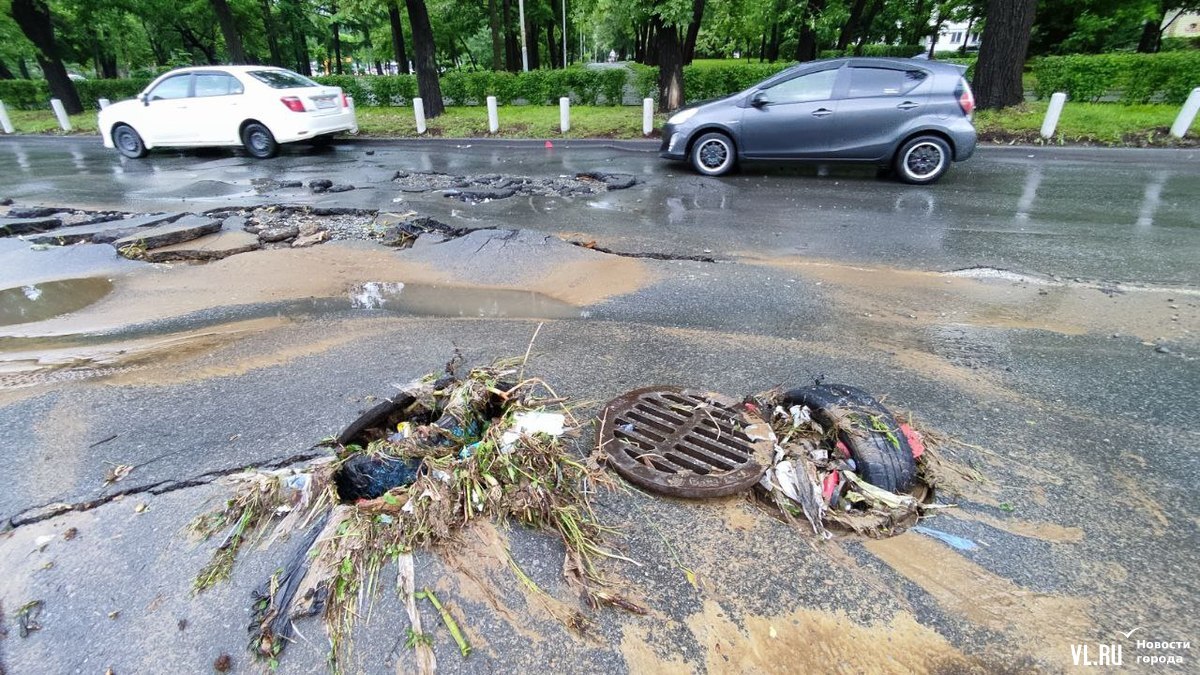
[
  {"x": 523, "y": 121},
  {"x": 1091, "y": 123},
  {"x": 1086, "y": 123}
]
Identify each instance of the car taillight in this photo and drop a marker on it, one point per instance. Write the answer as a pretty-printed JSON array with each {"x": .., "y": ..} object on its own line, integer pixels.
[
  {"x": 345, "y": 101},
  {"x": 966, "y": 99},
  {"x": 294, "y": 104}
]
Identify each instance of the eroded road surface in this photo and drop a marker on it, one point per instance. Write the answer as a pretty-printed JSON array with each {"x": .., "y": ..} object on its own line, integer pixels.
[{"x": 1039, "y": 309}]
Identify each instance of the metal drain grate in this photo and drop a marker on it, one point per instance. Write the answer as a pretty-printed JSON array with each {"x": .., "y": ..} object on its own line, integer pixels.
[{"x": 684, "y": 443}]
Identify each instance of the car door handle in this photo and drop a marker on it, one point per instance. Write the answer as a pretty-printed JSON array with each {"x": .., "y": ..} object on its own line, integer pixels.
[
  {"x": 908, "y": 105},
  {"x": 822, "y": 112}
]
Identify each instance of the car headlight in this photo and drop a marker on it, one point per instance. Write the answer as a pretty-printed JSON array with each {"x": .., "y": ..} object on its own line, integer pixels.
[{"x": 682, "y": 116}]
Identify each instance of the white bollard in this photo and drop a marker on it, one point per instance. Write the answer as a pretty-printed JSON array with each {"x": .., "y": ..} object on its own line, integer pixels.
[
  {"x": 493, "y": 116},
  {"x": 1057, "y": 101},
  {"x": 419, "y": 111},
  {"x": 647, "y": 116},
  {"x": 104, "y": 103},
  {"x": 5, "y": 123},
  {"x": 1187, "y": 115},
  {"x": 564, "y": 114},
  {"x": 61, "y": 113}
]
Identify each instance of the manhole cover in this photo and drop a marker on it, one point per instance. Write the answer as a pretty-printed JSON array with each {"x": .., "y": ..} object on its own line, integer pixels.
[{"x": 685, "y": 443}]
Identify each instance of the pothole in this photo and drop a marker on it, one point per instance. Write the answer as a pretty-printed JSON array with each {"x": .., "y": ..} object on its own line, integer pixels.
[
  {"x": 489, "y": 187},
  {"x": 38, "y": 302},
  {"x": 465, "y": 302}
]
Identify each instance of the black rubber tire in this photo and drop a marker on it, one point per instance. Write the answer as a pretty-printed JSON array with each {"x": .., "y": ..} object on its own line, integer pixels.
[
  {"x": 923, "y": 160},
  {"x": 128, "y": 142},
  {"x": 713, "y": 154},
  {"x": 880, "y": 462},
  {"x": 259, "y": 141}
]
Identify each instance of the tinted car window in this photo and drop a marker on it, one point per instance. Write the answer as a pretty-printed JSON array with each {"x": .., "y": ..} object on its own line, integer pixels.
[
  {"x": 282, "y": 79},
  {"x": 172, "y": 87},
  {"x": 816, "y": 86},
  {"x": 883, "y": 81},
  {"x": 216, "y": 84}
]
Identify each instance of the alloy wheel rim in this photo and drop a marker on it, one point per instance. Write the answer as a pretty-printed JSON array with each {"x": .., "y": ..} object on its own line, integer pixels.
[
  {"x": 126, "y": 141},
  {"x": 924, "y": 160},
  {"x": 714, "y": 154},
  {"x": 258, "y": 140}
]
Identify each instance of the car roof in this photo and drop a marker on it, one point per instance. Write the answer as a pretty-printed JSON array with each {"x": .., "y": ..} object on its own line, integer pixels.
[{"x": 227, "y": 69}]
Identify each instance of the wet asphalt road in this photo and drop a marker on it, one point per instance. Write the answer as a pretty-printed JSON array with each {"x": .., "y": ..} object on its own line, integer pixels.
[
  {"x": 1086, "y": 441},
  {"x": 1130, "y": 216}
]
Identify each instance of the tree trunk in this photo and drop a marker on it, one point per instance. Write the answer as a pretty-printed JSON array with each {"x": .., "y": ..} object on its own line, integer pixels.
[
  {"x": 233, "y": 40},
  {"x": 398, "y": 51},
  {"x": 865, "y": 26},
  {"x": 934, "y": 36},
  {"x": 1002, "y": 55},
  {"x": 1151, "y": 38},
  {"x": 512, "y": 48},
  {"x": 269, "y": 29},
  {"x": 337, "y": 47},
  {"x": 425, "y": 58},
  {"x": 551, "y": 52},
  {"x": 5, "y": 73},
  {"x": 850, "y": 29},
  {"x": 23, "y": 68},
  {"x": 806, "y": 40},
  {"x": 531, "y": 34},
  {"x": 497, "y": 40},
  {"x": 693, "y": 31},
  {"x": 967, "y": 36},
  {"x": 670, "y": 68},
  {"x": 33, "y": 17}
]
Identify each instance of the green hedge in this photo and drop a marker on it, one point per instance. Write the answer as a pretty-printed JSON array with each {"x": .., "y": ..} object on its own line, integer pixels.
[
  {"x": 1136, "y": 78},
  {"x": 35, "y": 94},
  {"x": 893, "y": 51},
  {"x": 584, "y": 85}
]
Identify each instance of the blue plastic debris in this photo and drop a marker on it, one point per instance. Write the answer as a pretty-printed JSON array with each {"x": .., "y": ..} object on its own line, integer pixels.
[{"x": 953, "y": 540}]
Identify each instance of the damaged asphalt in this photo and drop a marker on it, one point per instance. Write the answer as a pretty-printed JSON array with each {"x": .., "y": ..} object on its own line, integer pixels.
[{"x": 1086, "y": 519}]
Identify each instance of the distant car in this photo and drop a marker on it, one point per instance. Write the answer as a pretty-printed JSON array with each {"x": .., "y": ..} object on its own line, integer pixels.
[
  {"x": 913, "y": 116},
  {"x": 257, "y": 107}
]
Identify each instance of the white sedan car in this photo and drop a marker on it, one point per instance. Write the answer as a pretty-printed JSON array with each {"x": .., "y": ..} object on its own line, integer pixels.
[{"x": 258, "y": 107}]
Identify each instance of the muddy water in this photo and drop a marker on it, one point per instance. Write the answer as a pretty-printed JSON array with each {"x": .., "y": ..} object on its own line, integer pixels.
[
  {"x": 38, "y": 302},
  {"x": 450, "y": 301}
]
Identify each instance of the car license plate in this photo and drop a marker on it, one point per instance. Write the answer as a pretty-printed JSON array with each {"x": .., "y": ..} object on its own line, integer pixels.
[{"x": 324, "y": 102}]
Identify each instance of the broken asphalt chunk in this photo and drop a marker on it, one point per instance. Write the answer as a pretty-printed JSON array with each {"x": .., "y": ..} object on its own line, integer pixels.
[{"x": 182, "y": 230}]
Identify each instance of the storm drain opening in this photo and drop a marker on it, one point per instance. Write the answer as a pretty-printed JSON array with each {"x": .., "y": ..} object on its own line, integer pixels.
[{"x": 684, "y": 443}]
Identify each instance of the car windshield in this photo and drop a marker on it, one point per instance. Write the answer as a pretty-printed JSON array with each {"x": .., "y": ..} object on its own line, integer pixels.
[{"x": 282, "y": 79}]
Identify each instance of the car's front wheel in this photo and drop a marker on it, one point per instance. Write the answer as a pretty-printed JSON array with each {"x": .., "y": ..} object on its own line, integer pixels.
[
  {"x": 713, "y": 154},
  {"x": 128, "y": 142},
  {"x": 259, "y": 141},
  {"x": 922, "y": 160}
]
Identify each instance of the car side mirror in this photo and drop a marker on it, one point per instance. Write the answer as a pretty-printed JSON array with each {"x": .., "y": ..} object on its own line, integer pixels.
[
  {"x": 145, "y": 98},
  {"x": 759, "y": 99}
]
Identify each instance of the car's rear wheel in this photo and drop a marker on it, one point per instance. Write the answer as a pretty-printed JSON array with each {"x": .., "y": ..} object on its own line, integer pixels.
[
  {"x": 259, "y": 141},
  {"x": 128, "y": 142},
  {"x": 922, "y": 160},
  {"x": 713, "y": 154}
]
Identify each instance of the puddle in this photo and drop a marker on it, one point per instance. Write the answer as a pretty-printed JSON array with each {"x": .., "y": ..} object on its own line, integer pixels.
[
  {"x": 37, "y": 302},
  {"x": 452, "y": 301}
]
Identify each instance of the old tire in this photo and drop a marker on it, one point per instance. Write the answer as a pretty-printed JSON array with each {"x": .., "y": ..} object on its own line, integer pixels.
[
  {"x": 713, "y": 154},
  {"x": 259, "y": 141},
  {"x": 128, "y": 142},
  {"x": 884, "y": 458},
  {"x": 922, "y": 160}
]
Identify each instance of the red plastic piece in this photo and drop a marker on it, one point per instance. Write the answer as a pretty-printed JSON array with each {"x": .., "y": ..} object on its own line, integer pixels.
[
  {"x": 842, "y": 449},
  {"x": 914, "y": 440},
  {"x": 549, "y": 145},
  {"x": 830, "y": 484}
]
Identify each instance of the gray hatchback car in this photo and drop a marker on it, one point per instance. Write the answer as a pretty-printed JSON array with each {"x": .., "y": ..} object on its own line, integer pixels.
[{"x": 911, "y": 115}]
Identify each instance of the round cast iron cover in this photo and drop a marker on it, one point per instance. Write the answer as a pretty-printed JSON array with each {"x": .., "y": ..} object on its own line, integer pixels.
[{"x": 685, "y": 443}]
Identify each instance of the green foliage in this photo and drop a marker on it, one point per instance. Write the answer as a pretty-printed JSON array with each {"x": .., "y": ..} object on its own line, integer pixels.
[
  {"x": 1136, "y": 78},
  {"x": 24, "y": 94},
  {"x": 1179, "y": 44},
  {"x": 91, "y": 91},
  {"x": 645, "y": 80},
  {"x": 892, "y": 51},
  {"x": 702, "y": 82}
]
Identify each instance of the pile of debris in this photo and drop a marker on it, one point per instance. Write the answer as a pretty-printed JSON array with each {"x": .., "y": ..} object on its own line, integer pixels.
[
  {"x": 490, "y": 187},
  {"x": 412, "y": 472},
  {"x": 298, "y": 226},
  {"x": 829, "y": 454}
]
